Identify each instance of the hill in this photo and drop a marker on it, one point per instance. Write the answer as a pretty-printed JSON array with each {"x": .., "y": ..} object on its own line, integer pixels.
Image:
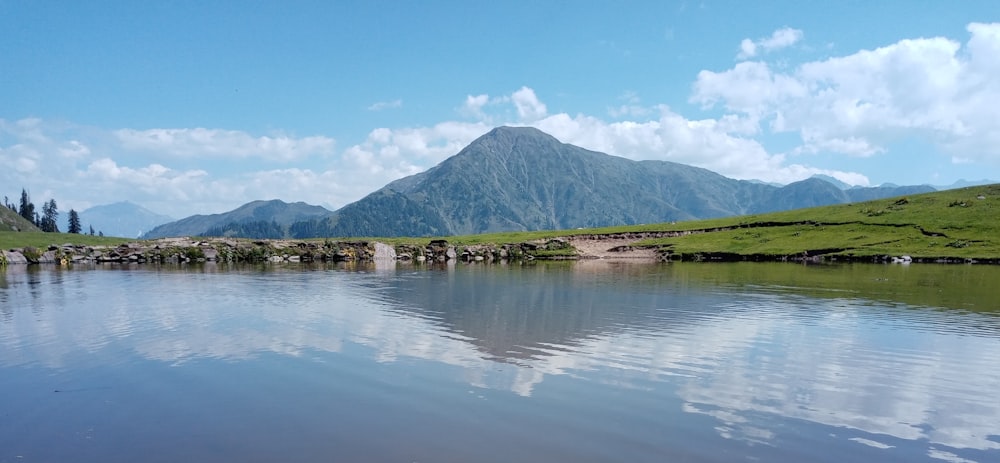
[
  {"x": 124, "y": 219},
  {"x": 11, "y": 221},
  {"x": 274, "y": 216}
]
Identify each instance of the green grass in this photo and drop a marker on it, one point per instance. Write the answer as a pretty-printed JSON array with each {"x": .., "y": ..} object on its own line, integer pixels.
[
  {"x": 955, "y": 223},
  {"x": 11, "y": 240}
]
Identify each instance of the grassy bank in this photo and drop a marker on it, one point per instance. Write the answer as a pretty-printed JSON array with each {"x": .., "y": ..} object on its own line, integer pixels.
[{"x": 41, "y": 240}]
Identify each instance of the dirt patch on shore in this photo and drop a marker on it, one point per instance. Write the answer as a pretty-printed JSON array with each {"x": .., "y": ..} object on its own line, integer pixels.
[{"x": 591, "y": 248}]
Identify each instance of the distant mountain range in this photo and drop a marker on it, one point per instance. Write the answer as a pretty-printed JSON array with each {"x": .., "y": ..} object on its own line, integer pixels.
[
  {"x": 273, "y": 217},
  {"x": 519, "y": 178},
  {"x": 123, "y": 219}
]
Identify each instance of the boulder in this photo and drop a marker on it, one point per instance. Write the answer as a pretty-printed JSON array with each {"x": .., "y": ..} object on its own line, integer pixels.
[
  {"x": 384, "y": 252},
  {"x": 15, "y": 257}
]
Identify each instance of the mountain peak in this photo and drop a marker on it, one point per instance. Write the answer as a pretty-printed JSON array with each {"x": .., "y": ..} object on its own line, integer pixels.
[
  {"x": 510, "y": 134},
  {"x": 522, "y": 130}
]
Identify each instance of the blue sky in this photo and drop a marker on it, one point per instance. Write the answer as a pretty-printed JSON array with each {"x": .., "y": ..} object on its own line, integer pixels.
[{"x": 198, "y": 107}]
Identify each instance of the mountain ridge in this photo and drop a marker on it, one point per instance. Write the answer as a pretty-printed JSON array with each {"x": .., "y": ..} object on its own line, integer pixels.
[
  {"x": 520, "y": 179},
  {"x": 275, "y": 210}
]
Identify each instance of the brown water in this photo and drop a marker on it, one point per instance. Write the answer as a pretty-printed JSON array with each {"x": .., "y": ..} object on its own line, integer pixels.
[{"x": 588, "y": 361}]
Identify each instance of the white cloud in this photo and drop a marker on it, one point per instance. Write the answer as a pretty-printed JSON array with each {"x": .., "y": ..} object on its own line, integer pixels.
[
  {"x": 930, "y": 88},
  {"x": 529, "y": 108},
  {"x": 474, "y": 106},
  {"x": 381, "y": 105},
  {"x": 631, "y": 107},
  {"x": 781, "y": 38},
  {"x": 717, "y": 145},
  {"x": 219, "y": 143}
]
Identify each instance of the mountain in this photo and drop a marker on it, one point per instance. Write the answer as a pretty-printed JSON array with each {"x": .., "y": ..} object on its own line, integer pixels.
[
  {"x": 519, "y": 178},
  {"x": 11, "y": 221},
  {"x": 274, "y": 215},
  {"x": 123, "y": 219}
]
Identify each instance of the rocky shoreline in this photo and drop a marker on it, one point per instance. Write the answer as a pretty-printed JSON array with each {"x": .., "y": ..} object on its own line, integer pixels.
[
  {"x": 186, "y": 250},
  {"x": 610, "y": 247}
]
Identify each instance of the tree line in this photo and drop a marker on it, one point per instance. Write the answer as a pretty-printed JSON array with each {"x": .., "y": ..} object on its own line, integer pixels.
[{"x": 47, "y": 221}]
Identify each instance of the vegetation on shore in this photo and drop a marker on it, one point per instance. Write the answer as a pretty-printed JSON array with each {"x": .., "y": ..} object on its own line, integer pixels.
[
  {"x": 963, "y": 223},
  {"x": 954, "y": 224}
]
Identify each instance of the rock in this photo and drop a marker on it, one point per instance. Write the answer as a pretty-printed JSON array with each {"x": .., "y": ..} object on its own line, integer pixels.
[
  {"x": 14, "y": 257},
  {"x": 48, "y": 257},
  {"x": 450, "y": 253},
  {"x": 384, "y": 252}
]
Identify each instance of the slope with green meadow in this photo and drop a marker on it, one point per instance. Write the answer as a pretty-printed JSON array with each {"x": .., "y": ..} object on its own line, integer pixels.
[{"x": 963, "y": 223}]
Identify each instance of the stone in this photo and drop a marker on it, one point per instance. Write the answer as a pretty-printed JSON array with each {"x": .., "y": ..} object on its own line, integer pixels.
[
  {"x": 384, "y": 252},
  {"x": 14, "y": 257}
]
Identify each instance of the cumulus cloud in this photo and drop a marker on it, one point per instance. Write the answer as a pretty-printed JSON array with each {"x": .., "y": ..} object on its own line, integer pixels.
[
  {"x": 781, "y": 38},
  {"x": 381, "y": 105},
  {"x": 202, "y": 142},
  {"x": 473, "y": 106},
  {"x": 529, "y": 108},
  {"x": 929, "y": 88}
]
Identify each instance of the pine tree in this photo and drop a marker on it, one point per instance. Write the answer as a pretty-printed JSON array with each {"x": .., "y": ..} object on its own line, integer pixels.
[
  {"x": 91, "y": 230},
  {"x": 27, "y": 209},
  {"x": 50, "y": 217},
  {"x": 74, "y": 222}
]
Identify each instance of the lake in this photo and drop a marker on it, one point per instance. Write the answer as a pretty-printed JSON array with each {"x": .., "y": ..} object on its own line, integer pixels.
[{"x": 589, "y": 361}]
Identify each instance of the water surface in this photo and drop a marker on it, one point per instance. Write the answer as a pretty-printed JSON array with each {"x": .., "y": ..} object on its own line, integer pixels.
[{"x": 588, "y": 361}]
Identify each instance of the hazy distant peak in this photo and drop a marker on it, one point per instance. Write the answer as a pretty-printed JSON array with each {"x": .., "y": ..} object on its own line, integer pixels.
[{"x": 832, "y": 180}]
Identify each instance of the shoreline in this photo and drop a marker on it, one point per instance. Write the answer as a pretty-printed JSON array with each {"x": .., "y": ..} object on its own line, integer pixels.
[{"x": 607, "y": 247}]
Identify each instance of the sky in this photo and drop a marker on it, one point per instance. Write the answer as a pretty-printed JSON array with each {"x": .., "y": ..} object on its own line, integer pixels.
[{"x": 197, "y": 107}]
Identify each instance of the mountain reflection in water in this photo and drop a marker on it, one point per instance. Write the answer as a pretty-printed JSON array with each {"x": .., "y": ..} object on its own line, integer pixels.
[{"x": 754, "y": 348}]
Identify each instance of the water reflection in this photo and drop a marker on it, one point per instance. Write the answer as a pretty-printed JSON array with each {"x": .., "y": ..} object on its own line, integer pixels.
[{"x": 844, "y": 347}]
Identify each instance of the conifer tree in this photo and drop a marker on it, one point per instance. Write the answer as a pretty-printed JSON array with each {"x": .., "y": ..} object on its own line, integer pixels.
[
  {"x": 50, "y": 217},
  {"x": 27, "y": 209},
  {"x": 74, "y": 222}
]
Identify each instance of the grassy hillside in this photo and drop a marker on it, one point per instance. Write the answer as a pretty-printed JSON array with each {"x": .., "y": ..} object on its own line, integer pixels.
[
  {"x": 958, "y": 223},
  {"x": 10, "y": 221}
]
